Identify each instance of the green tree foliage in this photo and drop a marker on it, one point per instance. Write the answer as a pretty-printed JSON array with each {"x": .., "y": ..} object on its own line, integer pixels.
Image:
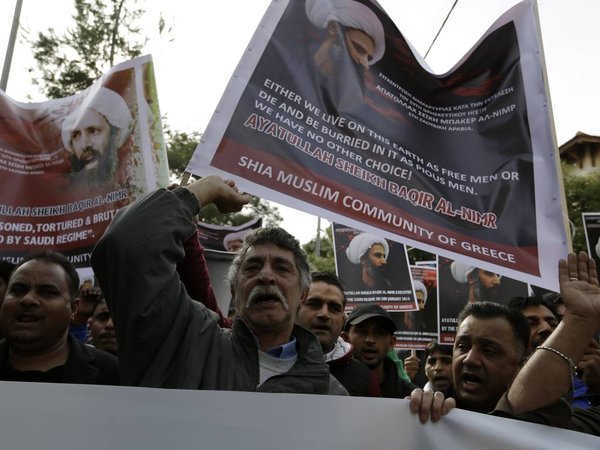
[
  {"x": 326, "y": 261},
  {"x": 180, "y": 148},
  {"x": 582, "y": 194},
  {"x": 105, "y": 32}
]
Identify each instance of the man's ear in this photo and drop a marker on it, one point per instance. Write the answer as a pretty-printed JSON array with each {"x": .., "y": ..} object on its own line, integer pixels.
[
  {"x": 345, "y": 337},
  {"x": 74, "y": 307},
  {"x": 303, "y": 296},
  {"x": 232, "y": 301}
]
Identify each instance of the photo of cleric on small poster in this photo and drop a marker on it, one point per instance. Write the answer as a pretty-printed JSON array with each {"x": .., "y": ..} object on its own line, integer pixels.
[
  {"x": 372, "y": 269},
  {"x": 461, "y": 283},
  {"x": 370, "y": 137},
  {"x": 417, "y": 328}
]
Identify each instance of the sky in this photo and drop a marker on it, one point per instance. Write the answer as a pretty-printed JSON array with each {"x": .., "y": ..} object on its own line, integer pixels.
[{"x": 195, "y": 60}]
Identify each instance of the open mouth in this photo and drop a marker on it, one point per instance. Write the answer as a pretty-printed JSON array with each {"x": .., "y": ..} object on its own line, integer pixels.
[
  {"x": 471, "y": 381},
  {"x": 264, "y": 300},
  {"x": 27, "y": 318},
  {"x": 369, "y": 352},
  {"x": 442, "y": 382}
]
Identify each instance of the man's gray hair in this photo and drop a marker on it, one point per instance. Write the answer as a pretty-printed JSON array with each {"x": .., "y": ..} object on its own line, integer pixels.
[{"x": 282, "y": 239}]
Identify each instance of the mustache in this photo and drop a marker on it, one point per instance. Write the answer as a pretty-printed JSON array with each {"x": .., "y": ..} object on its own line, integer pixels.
[
  {"x": 260, "y": 291},
  {"x": 89, "y": 152}
]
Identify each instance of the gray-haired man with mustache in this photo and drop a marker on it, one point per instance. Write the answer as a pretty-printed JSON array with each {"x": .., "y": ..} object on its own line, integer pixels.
[{"x": 168, "y": 340}]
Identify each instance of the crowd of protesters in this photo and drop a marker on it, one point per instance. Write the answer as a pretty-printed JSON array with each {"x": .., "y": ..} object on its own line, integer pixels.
[{"x": 155, "y": 322}]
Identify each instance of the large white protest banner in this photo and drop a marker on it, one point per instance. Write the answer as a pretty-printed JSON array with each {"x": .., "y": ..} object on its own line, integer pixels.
[
  {"x": 67, "y": 165},
  {"x": 60, "y": 416},
  {"x": 331, "y": 111}
]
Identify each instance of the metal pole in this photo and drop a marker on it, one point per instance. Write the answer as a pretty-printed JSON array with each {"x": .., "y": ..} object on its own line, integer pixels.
[
  {"x": 11, "y": 46},
  {"x": 318, "y": 240},
  {"x": 440, "y": 30}
]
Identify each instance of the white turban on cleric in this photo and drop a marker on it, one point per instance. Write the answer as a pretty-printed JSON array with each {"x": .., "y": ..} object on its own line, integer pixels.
[
  {"x": 351, "y": 14},
  {"x": 106, "y": 102},
  {"x": 236, "y": 235},
  {"x": 460, "y": 271},
  {"x": 420, "y": 287},
  {"x": 361, "y": 244}
]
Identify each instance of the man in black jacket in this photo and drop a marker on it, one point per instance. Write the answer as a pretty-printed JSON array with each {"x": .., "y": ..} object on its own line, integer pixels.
[
  {"x": 40, "y": 303},
  {"x": 322, "y": 312},
  {"x": 370, "y": 330},
  {"x": 166, "y": 339}
]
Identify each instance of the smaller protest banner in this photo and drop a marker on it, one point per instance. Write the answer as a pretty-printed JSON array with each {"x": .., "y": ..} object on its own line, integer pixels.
[
  {"x": 461, "y": 283},
  {"x": 226, "y": 238},
  {"x": 419, "y": 327},
  {"x": 67, "y": 165},
  {"x": 372, "y": 269}
]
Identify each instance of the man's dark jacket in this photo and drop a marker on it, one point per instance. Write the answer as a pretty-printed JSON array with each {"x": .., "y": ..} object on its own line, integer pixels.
[
  {"x": 392, "y": 385},
  {"x": 85, "y": 364},
  {"x": 166, "y": 339},
  {"x": 358, "y": 379}
]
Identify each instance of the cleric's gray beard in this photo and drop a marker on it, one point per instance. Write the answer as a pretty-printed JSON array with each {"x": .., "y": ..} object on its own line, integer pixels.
[{"x": 483, "y": 294}]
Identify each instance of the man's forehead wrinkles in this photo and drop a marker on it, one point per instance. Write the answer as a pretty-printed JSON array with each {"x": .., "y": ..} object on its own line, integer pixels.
[
  {"x": 264, "y": 256},
  {"x": 278, "y": 258},
  {"x": 254, "y": 258}
]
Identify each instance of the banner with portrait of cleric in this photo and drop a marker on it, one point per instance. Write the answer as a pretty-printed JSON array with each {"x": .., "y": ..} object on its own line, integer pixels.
[
  {"x": 461, "y": 283},
  {"x": 591, "y": 228},
  {"x": 417, "y": 328},
  {"x": 226, "y": 238},
  {"x": 331, "y": 111},
  {"x": 373, "y": 269},
  {"x": 67, "y": 165}
]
